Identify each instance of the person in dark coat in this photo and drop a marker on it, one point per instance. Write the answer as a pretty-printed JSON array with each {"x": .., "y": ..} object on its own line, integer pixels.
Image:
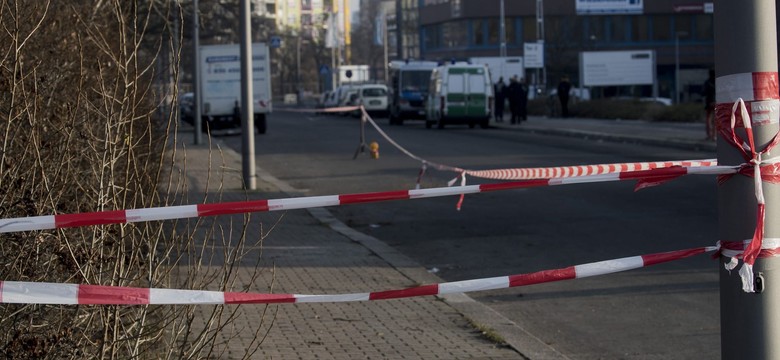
[
  {"x": 564, "y": 87},
  {"x": 522, "y": 101},
  {"x": 500, "y": 90},
  {"x": 514, "y": 94}
]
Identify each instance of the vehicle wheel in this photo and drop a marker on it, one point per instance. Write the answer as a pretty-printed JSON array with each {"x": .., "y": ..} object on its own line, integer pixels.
[
  {"x": 260, "y": 123},
  {"x": 485, "y": 123},
  {"x": 472, "y": 124},
  {"x": 428, "y": 124},
  {"x": 393, "y": 119}
]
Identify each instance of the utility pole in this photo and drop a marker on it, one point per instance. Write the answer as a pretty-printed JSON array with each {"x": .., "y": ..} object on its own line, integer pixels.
[
  {"x": 384, "y": 45},
  {"x": 195, "y": 73},
  {"x": 502, "y": 31},
  {"x": 540, "y": 40},
  {"x": 247, "y": 106},
  {"x": 746, "y": 68}
]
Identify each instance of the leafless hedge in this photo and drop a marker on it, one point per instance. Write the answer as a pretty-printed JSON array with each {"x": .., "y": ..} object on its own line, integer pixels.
[{"x": 84, "y": 128}]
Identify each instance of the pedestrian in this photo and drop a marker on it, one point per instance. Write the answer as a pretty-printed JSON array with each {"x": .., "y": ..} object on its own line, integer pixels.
[
  {"x": 500, "y": 91},
  {"x": 513, "y": 94},
  {"x": 523, "y": 100},
  {"x": 709, "y": 106},
  {"x": 564, "y": 87}
]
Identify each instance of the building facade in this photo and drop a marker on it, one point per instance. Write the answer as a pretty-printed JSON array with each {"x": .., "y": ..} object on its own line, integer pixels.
[{"x": 680, "y": 32}]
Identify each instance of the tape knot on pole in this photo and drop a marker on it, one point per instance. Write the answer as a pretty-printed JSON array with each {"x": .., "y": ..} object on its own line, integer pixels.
[{"x": 760, "y": 170}]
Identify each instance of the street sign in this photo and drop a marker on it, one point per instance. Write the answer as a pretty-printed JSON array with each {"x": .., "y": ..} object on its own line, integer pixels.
[
  {"x": 275, "y": 42},
  {"x": 534, "y": 55},
  {"x": 324, "y": 69}
]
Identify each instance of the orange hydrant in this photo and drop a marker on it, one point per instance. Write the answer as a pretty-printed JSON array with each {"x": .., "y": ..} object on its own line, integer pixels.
[{"x": 374, "y": 148}]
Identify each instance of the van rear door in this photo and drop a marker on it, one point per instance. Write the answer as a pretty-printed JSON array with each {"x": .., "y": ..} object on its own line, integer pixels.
[
  {"x": 476, "y": 99},
  {"x": 467, "y": 94},
  {"x": 456, "y": 92}
]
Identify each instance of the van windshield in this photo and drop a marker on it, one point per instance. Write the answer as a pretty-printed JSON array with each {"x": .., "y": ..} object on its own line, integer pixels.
[
  {"x": 415, "y": 80},
  {"x": 374, "y": 92}
]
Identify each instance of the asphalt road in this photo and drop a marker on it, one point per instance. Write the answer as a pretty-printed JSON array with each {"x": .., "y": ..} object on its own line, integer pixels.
[{"x": 669, "y": 311}]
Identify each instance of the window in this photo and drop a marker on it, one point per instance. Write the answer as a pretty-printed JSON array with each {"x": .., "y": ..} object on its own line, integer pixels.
[
  {"x": 509, "y": 28},
  {"x": 494, "y": 31},
  {"x": 595, "y": 29},
  {"x": 639, "y": 28},
  {"x": 432, "y": 36},
  {"x": 618, "y": 29},
  {"x": 555, "y": 28},
  {"x": 454, "y": 34},
  {"x": 662, "y": 28},
  {"x": 703, "y": 27},
  {"x": 478, "y": 28},
  {"x": 682, "y": 23},
  {"x": 529, "y": 29}
]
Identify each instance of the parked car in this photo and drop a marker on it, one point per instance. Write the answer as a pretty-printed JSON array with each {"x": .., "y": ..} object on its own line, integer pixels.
[
  {"x": 331, "y": 100},
  {"x": 374, "y": 99},
  {"x": 187, "y": 107}
]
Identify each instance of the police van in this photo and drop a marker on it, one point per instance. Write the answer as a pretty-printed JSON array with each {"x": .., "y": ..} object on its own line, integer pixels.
[{"x": 459, "y": 93}]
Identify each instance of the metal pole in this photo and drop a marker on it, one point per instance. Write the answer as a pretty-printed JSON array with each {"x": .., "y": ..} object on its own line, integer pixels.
[
  {"x": 384, "y": 44},
  {"x": 676, "y": 68},
  {"x": 195, "y": 73},
  {"x": 502, "y": 34},
  {"x": 746, "y": 48},
  {"x": 247, "y": 107},
  {"x": 677, "y": 36}
]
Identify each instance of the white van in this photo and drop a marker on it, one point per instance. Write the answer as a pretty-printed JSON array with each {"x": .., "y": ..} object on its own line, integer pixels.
[
  {"x": 459, "y": 93},
  {"x": 374, "y": 99}
]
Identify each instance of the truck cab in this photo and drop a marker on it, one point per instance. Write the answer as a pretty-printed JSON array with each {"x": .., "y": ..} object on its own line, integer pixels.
[{"x": 408, "y": 89}]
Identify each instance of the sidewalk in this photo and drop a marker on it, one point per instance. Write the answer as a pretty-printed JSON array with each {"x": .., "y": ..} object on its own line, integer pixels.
[
  {"x": 300, "y": 255},
  {"x": 688, "y": 136},
  {"x": 311, "y": 252}
]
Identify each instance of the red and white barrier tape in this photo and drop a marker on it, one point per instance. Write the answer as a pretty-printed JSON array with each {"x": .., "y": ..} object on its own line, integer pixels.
[
  {"x": 580, "y": 170},
  {"x": 760, "y": 90},
  {"x": 547, "y": 172},
  {"x": 322, "y": 110},
  {"x": 645, "y": 178},
  {"x": 19, "y": 292}
]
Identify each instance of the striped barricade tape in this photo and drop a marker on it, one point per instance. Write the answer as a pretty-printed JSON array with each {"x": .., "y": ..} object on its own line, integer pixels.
[
  {"x": 645, "y": 178},
  {"x": 19, "y": 292},
  {"x": 339, "y": 109},
  {"x": 542, "y": 172}
]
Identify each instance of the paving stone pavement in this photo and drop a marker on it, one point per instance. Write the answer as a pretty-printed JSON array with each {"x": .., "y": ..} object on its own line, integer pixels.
[{"x": 295, "y": 252}]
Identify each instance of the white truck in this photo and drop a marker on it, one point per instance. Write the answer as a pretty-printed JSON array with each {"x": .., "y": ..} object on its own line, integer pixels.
[
  {"x": 502, "y": 67},
  {"x": 220, "y": 74}
]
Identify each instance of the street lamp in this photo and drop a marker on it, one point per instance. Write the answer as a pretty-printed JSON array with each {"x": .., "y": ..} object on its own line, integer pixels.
[{"x": 677, "y": 37}]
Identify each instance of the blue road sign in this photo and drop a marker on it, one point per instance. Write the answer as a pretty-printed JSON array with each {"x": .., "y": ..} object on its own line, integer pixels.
[
  {"x": 324, "y": 69},
  {"x": 275, "y": 42}
]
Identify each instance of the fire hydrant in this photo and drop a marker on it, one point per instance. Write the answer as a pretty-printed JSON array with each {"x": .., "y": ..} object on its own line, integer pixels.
[{"x": 374, "y": 148}]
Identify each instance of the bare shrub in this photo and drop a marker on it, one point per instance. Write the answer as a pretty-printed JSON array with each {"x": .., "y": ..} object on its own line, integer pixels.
[{"x": 83, "y": 130}]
